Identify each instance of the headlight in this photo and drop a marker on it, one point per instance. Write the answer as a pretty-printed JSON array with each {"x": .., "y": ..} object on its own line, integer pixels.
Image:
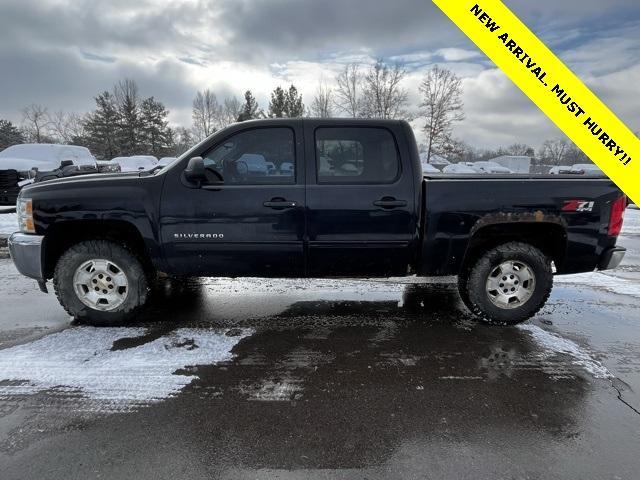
[{"x": 24, "y": 208}]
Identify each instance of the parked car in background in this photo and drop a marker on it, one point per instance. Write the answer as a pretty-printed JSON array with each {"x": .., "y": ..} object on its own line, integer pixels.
[
  {"x": 106, "y": 166},
  {"x": 458, "y": 168},
  {"x": 21, "y": 164},
  {"x": 428, "y": 168},
  {"x": 286, "y": 168},
  {"x": 252, "y": 165},
  {"x": 515, "y": 163},
  {"x": 489, "y": 167},
  {"x": 164, "y": 161},
  {"x": 561, "y": 170},
  {"x": 587, "y": 169},
  {"x": 44, "y": 156},
  {"x": 136, "y": 163}
]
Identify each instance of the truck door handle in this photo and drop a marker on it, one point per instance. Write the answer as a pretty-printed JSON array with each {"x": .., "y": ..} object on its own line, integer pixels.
[
  {"x": 390, "y": 202},
  {"x": 279, "y": 204}
]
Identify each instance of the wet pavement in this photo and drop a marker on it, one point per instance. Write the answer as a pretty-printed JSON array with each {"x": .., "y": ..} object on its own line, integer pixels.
[{"x": 293, "y": 379}]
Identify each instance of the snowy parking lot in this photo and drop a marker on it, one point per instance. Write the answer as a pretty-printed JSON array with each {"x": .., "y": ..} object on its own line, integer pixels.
[
  {"x": 247, "y": 378},
  {"x": 8, "y": 222}
]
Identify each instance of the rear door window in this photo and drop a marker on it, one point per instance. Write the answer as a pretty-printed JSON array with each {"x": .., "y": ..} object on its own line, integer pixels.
[{"x": 356, "y": 155}]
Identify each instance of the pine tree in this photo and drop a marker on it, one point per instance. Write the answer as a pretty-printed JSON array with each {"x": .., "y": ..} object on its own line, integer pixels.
[
  {"x": 102, "y": 128},
  {"x": 250, "y": 109},
  {"x": 9, "y": 134},
  {"x": 278, "y": 103},
  {"x": 293, "y": 106},
  {"x": 156, "y": 138}
]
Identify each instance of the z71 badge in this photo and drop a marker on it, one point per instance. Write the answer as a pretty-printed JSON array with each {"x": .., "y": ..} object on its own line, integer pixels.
[{"x": 578, "y": 206}]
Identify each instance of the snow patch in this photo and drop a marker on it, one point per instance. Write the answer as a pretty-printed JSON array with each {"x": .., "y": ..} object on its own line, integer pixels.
[
  {"x": 603, "y": 281},
  {"x": 631, "y": 225},
  {"x": 81, "y": 362},
  {"x": 555, "y": 344},
  {"x": 8, "y": 223}
]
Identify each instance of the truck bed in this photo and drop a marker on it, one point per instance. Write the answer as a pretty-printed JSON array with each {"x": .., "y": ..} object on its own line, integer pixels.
[{"x": 457, "y": 207}]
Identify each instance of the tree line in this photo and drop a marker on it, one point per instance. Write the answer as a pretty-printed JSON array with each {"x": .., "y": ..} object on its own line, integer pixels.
[{"x": 124, "y": 123}]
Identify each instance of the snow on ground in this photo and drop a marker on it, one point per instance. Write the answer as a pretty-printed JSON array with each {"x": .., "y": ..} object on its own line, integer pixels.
[
  {"x": 604, "y": 281},
  {"x": 631, "y": 225},
  {"x": 81, "y": 362},
  {"x": 552, "y": 344},
  {"x": 8, "y": 223}
]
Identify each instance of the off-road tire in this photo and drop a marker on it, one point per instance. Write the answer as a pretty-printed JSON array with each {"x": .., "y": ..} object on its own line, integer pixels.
[
  {"x": 463, "y": 280},
  {"x": 473, "y": 284},
  {"x": 132, "y": 267}
]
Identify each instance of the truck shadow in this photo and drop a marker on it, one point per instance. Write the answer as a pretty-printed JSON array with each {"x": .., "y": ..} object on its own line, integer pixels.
[{"x": 177, "y": 301}]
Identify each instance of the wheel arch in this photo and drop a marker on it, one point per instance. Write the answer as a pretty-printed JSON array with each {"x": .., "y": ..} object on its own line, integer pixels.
[
  {"x": 61, "y": 236},
  {"x": 550, "y": 237}
]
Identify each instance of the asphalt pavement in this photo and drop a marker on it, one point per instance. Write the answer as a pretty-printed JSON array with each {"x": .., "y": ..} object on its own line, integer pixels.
[{"x": 323, "y": 379}]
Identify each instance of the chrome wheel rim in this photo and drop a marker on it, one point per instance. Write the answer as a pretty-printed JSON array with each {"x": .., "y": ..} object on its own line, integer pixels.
[
  {"x": 511, "y": 284},
  {"x": 101, "y": 284}
]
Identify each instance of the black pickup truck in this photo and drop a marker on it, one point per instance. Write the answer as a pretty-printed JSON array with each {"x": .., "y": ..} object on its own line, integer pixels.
[{"x": 313, "y": 198}]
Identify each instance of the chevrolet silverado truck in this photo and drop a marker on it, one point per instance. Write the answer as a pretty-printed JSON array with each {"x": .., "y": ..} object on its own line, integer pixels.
[{"x": 303, "y": 198}]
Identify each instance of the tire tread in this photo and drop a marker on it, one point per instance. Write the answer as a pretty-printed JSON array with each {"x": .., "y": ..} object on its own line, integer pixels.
[
  {"x": 473, "y": 285},
  {"x": 105, "y": 249}
]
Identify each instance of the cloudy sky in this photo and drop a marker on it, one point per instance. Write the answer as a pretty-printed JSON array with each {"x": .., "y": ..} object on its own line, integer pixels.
[{"x": 61, "y": 53}]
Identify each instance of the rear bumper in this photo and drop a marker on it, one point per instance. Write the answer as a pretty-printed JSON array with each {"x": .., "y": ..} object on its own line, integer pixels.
[
  {"x": 611, "y": 258},
  {"x": 26, "y": 253}
]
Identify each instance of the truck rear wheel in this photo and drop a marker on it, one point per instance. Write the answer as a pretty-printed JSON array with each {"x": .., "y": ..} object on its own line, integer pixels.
[
  {"x": 100, "y": 283},
  {"x": 508, "y": 284}
]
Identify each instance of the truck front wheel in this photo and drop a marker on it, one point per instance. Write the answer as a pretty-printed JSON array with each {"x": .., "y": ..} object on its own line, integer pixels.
[
  {"x": 100, "y": 283},
  {"x": 508, "y": 284}
]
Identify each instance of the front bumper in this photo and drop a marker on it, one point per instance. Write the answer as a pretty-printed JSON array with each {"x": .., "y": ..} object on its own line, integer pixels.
[
  {"x": 611, "y": 258},
  {"x": 26, "y": 253}
]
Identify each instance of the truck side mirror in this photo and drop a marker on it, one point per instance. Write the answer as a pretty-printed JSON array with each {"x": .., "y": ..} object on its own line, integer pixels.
[{"x": 195, "y": 171}]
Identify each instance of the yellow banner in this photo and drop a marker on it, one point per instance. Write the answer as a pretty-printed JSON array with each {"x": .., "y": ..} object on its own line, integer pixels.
[{"x": 555, "y": 89}]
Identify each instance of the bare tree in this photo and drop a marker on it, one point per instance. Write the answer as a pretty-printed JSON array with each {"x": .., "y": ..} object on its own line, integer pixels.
[
  {"x": 127, "y": 101},
  {"x": 518, "y": 150},
  {"x": 183, "y": 140},
  {"x": 348, "y": 91},
  {"x": 575, "y": 155},
  {"x": 441, "y": 107},
  {"x": 66, "y": 126},
  {"x": 322, "y": 104},
  {"x": 205, "y": 113},
  {"x": 126, "y": 91},
  {"x": 553, "y": 152},
  {"x": 383, "y": 95},
  {"x": 35, "y": 122},
  {"x": 230, "y": 111}
]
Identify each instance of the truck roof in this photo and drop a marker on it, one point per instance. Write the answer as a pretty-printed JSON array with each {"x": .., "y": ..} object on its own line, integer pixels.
[{"x": 333, "y": 120}]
